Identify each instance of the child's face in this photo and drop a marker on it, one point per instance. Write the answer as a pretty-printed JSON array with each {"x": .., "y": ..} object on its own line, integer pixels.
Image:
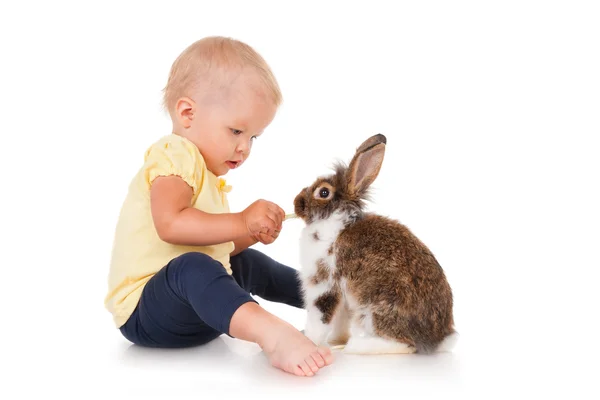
[{"x": 224, "y": 130}]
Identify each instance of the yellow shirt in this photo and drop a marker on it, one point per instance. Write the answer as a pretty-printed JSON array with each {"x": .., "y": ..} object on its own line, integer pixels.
[{"x": 138, "y": 253}]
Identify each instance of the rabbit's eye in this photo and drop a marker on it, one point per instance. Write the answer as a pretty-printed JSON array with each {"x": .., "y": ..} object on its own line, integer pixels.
[{"x": 324, "y": 192}]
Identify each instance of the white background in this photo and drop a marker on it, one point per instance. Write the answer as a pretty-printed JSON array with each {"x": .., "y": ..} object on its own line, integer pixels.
[{"x": 492, "y": 115}]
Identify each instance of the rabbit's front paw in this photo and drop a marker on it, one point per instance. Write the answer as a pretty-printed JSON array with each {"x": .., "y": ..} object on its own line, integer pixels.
[
  {"x": 316, "y": 334},
  {"x": 315, "y": 329}
]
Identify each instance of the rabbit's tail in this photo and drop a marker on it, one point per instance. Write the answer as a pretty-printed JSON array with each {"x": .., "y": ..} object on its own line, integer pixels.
[{"x": 447, "y": 344}]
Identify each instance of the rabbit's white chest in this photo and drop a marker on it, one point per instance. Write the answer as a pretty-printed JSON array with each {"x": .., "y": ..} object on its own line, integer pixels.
[
  {"x": 317, "y": 257},
  {"x": 316, "y": 249}
]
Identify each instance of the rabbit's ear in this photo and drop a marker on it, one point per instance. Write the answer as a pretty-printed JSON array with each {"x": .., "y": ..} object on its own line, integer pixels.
[{"x": 365, "y": 165}]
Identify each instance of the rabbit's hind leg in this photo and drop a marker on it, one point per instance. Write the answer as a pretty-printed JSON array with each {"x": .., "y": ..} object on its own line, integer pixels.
[
  {"x": 364, "y": 340},
  {"x": 340, "y": 327},
  {"x": 376, "y": 345}
]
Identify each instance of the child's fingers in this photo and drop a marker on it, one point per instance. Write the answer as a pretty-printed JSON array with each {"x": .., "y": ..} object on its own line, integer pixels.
[
  {"x": 278, "y": 210},
  {"x": 265, "y": 238},
  {"x": 275, "y": 223}
]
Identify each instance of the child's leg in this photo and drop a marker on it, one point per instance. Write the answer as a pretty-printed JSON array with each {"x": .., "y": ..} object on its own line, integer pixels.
[
  {"x": 287, "y": 348},
  {"x": 187, "y": 303},
  {"x": 262, "y": 276},
  {"x": 193, "y": 300}
]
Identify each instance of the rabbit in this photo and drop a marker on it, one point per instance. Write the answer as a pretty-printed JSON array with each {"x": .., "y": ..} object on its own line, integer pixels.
[{"x": 370, "y": 286}]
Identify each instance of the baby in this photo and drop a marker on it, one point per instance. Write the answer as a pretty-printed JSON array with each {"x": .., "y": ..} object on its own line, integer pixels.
[{"x": 182, "y": 271}]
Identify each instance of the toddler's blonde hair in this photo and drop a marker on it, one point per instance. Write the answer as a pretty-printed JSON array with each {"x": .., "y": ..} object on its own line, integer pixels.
[{"x": 212, "y": 60}]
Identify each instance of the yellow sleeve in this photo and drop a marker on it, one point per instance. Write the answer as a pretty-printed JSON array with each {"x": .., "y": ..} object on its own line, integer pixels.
[{"x": 174, "y": 156}]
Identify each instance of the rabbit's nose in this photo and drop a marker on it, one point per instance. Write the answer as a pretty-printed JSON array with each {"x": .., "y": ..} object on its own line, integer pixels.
[
  {"x": 299, "y": 204},
  {"x": 302, "y": 203}
]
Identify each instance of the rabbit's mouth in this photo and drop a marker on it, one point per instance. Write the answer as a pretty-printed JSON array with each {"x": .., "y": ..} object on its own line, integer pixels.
[{"x": 300, "y": 206}]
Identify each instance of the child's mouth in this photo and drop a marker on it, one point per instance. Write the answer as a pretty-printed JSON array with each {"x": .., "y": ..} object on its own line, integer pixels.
[{"x": 232, "y": 164}]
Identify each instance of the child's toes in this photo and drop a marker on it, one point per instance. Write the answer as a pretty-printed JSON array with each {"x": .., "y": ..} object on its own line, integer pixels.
[
  {"x": 312, "y": 364},
  {"x": 325, "y": 352},
  {"x": 297, "y": 371},
  {"x": 305, "y": 368},
  {"x": 318, "y": 358}
]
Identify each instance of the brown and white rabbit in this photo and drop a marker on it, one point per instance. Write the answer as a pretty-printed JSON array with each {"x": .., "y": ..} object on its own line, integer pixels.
[{"x": 368, "y": 282}]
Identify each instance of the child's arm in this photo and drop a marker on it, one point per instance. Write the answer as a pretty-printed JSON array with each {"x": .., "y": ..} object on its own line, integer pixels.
[
  {"x": 245, "y": 242},
  {"x": 176, "y": 222},
  {"x": 242, "y": 244}
]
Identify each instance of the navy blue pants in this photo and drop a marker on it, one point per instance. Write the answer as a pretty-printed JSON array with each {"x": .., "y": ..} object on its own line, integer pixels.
[{"x": 191, "y": 300}]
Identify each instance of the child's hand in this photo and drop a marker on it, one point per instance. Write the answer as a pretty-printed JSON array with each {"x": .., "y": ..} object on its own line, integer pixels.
[{"x": 263, "y": 220}]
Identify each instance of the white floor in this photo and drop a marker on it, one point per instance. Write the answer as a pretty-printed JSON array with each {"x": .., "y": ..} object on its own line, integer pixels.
[
  {"x": 91, "y": 358},
  {"x": 228, "y": 365}
]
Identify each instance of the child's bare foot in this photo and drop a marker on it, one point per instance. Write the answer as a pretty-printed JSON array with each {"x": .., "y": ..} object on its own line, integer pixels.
[
  {"x": 286, "y": 347},
  {"x": 291, "y": 351}
]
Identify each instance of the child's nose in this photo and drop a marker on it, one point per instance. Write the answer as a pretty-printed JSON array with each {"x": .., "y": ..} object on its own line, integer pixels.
[{"x": 243, "y": 148}]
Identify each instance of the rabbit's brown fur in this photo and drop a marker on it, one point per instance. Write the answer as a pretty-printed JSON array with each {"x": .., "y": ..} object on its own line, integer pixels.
[
  {"x": 395, "y": 273},
  {"x": 375, "y": 266}
]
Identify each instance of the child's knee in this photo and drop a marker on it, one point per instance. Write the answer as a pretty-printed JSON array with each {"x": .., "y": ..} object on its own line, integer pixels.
[
  {"x": 195, "y": 258},
  {"x": 196, "y": 262}
]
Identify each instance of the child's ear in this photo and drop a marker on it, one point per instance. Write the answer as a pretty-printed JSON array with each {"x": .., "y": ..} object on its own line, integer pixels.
[{"x": 185, "y": 109}]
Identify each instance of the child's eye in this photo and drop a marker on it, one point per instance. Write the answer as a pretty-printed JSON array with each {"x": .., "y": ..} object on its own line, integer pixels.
[
  {"x": 236, "y": 131},
  {"x": 254, "y": 137}
]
